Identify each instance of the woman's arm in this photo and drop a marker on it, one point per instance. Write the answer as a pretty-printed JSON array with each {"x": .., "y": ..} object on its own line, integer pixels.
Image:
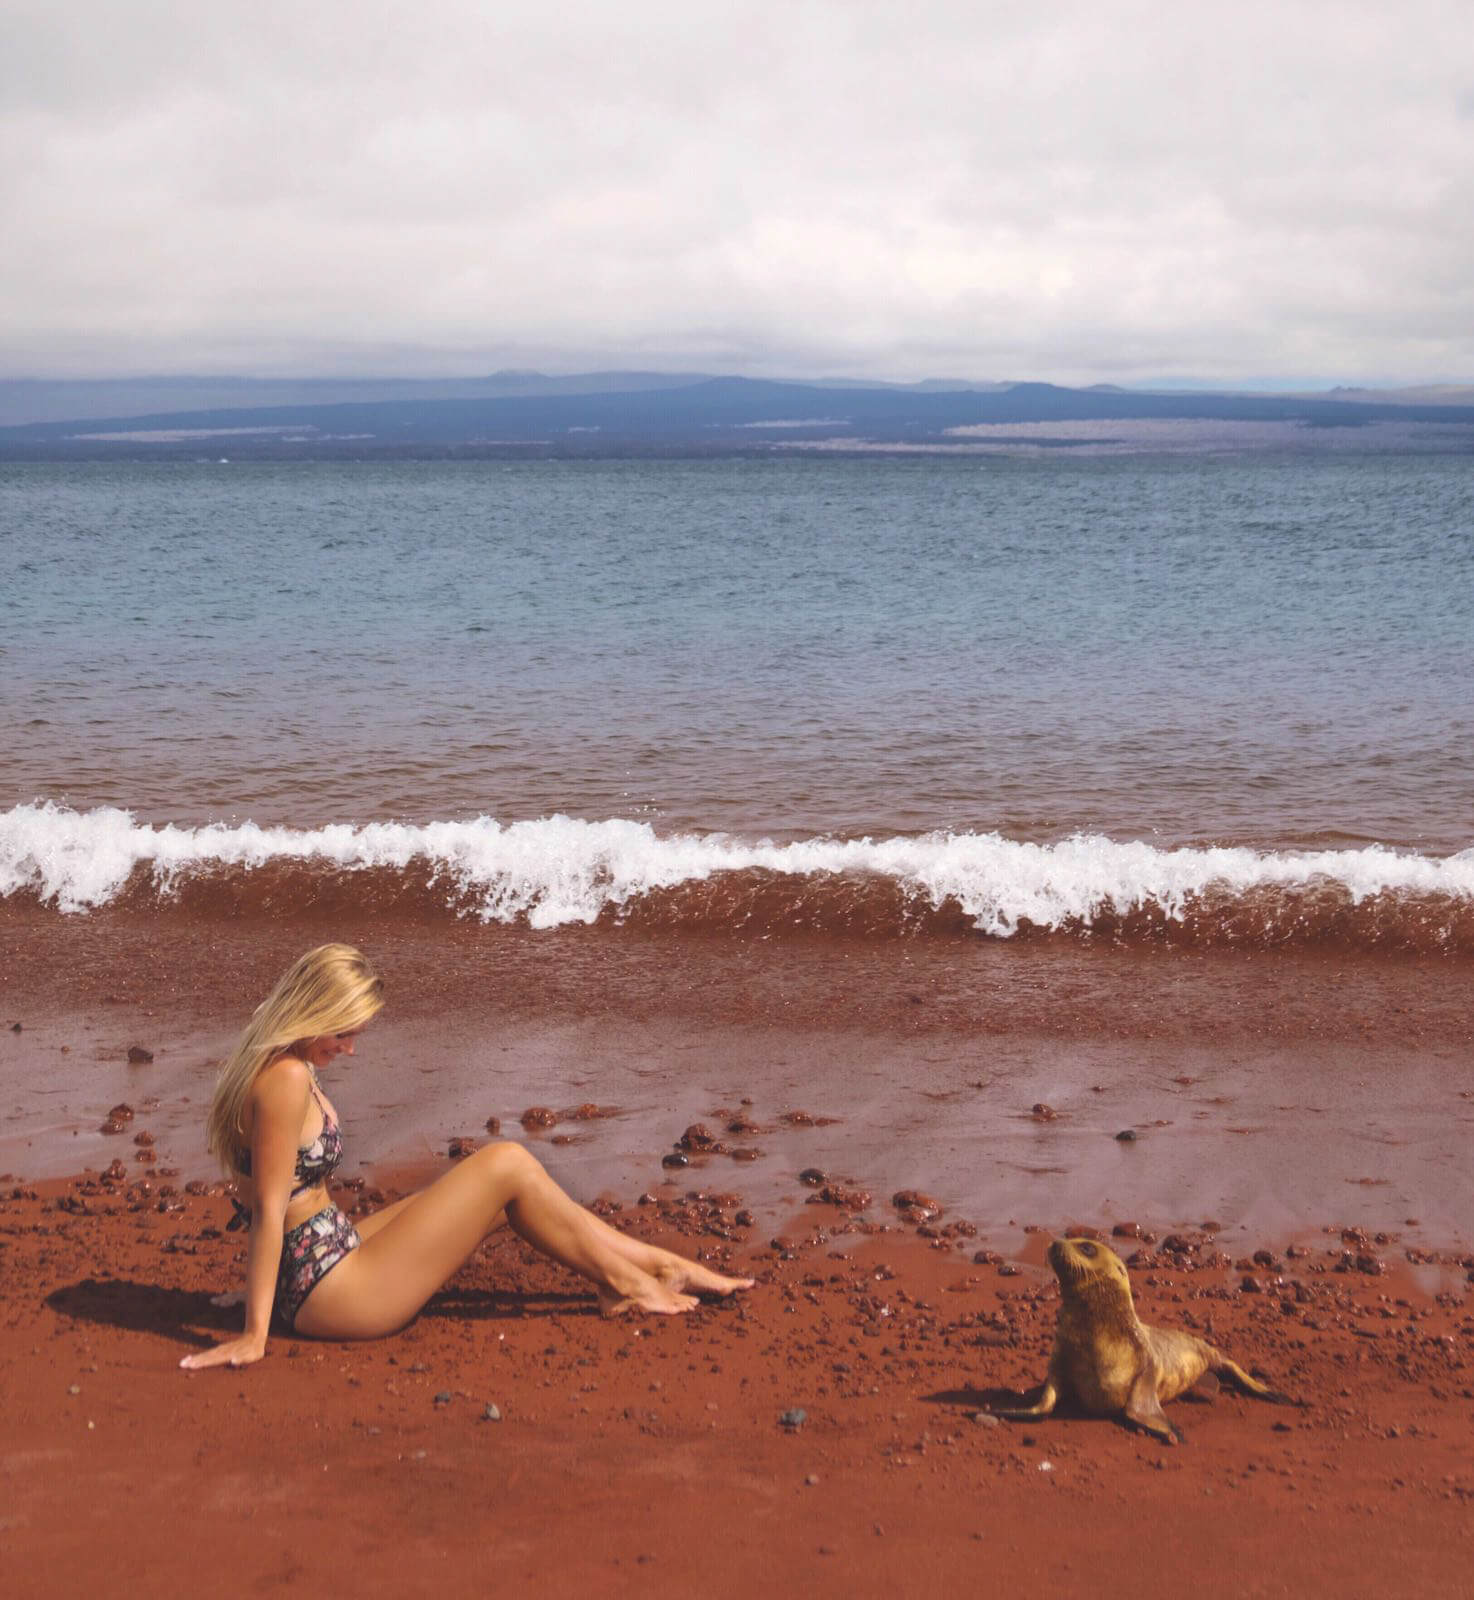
[{"x": 279, "y": 1103}]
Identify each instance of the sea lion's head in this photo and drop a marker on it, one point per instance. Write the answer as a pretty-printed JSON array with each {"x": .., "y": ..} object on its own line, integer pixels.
[{"x": 1088, "y": 1267}]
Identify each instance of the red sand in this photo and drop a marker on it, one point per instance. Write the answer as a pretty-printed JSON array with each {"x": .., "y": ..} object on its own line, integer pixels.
[
  {"x": 1324, "y": 1095},
  {"x": 634, "y": 1452}
]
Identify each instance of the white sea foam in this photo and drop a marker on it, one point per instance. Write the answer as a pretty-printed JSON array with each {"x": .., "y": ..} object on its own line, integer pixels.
[{"x": 561, "y": 870}]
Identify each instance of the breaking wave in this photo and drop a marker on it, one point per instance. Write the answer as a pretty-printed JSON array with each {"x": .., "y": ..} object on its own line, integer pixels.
[{"x": 559, "y": 871}]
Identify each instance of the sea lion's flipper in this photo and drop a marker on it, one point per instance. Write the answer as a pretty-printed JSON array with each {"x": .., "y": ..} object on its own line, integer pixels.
[
  {"x": 1144, "y": 1409},
  {"x": 1241, "y": 1380},
  {"x": 1046, "y": 1396}
]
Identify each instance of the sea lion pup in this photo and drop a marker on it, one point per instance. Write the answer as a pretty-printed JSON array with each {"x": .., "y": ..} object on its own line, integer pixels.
[{"x": 1108, "y": 1360}]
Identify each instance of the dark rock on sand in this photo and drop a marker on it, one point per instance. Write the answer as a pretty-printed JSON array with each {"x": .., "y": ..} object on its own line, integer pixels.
[
  {"x": 698, "y": 1137},
  {"x": 916, "y": 1206},
  {"x": 459, "y": 1149},
  {"x": 675, "y": 1158},
  {"x": 1042, "y": 1113},
  {"x": 746, "y": 1153},
  {"x": 143, "y": 1136},
  {"x": 813, "y": 1176},
  {"x": 493, "y": 1126},
  {"x": 138, "y": 1056},
  {"x": 539, "y": 1117},
  {"x": 793, "y": 1419},
  {"x": 122, "y": 1112},
  {"x": 1126, "y": 1136}
]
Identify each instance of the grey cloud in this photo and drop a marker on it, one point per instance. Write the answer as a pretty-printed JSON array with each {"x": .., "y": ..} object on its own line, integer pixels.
[{"x": 1073, "y": 191}]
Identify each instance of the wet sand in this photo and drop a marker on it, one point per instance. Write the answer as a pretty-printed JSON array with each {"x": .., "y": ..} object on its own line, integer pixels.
[{"x": 1317, "y": 1103}]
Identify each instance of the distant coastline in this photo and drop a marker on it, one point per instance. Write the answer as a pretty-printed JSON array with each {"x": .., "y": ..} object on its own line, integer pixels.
[{"x": 604, "y": 415}]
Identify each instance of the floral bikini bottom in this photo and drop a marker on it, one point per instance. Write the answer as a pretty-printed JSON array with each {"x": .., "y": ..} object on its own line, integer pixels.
[{"x": 309, "y": 1252}]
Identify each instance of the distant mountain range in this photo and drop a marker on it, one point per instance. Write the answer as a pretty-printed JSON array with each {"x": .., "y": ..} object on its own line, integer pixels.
[{"x": 639, "y": 413}]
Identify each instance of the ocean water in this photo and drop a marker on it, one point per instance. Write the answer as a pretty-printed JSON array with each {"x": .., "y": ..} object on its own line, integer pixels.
[{"x": 1225, "y": 696}]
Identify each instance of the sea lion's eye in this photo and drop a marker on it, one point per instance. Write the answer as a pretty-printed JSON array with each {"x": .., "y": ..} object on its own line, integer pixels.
[{"x": 1087, "y": 1249}]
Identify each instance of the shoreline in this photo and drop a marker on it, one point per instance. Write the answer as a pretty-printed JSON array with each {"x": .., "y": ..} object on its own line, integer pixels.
[{"x": 1272, "y": 1091}]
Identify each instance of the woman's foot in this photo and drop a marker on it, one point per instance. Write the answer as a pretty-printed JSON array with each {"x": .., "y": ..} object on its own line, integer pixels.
[
  {"x": 677, "y": 1273},
  {"x": 674, "y": 1271},
  {"x": 650, "y": 1296}
]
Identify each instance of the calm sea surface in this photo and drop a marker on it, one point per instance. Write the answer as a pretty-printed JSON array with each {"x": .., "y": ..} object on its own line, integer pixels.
[{"x": 1271, "y": 651}]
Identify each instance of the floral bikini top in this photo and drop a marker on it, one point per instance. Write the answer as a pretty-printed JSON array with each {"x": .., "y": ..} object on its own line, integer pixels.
[{"x": 316, "y": 1162}]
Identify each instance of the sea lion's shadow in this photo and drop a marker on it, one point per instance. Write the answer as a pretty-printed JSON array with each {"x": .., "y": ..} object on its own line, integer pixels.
[
  {"x": 999, "y": 1400},
  {"x": 973, "y": 1399},
  {"x": 177, "y": 1314}
]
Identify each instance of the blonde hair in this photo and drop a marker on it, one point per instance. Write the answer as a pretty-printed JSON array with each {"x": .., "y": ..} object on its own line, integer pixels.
[{"x": 331, "y": 989}]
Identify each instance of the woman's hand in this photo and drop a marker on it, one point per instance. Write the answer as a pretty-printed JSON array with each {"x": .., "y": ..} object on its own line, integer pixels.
[{"x": 239, "y": 1352}]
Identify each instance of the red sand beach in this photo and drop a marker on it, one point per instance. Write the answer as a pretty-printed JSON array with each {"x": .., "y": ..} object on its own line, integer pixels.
[{"x": 1298, "y": 1181}]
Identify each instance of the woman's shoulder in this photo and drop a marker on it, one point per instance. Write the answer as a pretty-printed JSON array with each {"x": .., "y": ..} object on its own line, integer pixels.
[{"x": 284, "y": 1081}]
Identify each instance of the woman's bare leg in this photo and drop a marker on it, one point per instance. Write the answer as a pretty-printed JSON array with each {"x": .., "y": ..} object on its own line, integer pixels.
[
  {"x": 401, "y": 1263},
  {"x": 369, "y": 1225},
  {"x": 674, "y": 1271}
]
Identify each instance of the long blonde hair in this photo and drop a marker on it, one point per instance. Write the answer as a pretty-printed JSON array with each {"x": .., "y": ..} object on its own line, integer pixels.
[{"x": 331, "y": 989}]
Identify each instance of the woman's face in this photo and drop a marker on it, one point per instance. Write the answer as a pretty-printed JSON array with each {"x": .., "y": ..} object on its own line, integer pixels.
[{"x": 318, "y": 1052}]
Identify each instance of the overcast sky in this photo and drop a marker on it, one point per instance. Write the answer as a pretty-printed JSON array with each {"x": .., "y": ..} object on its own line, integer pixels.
[{"x": 1069, "y": 189}]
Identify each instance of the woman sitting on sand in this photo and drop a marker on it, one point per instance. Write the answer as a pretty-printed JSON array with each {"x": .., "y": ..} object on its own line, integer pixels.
[{"x": 272, "y": 1125}]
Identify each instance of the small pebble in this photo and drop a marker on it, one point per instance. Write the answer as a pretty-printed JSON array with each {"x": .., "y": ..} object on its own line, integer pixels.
[
  {"x": 491, "y": 1414},
  {"x": 812, "y": 1479},
  {"x": 1126, "y": 1136},
  {"x": 138, "y": 1056},
  {"x": 794, "y": 1418}
]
